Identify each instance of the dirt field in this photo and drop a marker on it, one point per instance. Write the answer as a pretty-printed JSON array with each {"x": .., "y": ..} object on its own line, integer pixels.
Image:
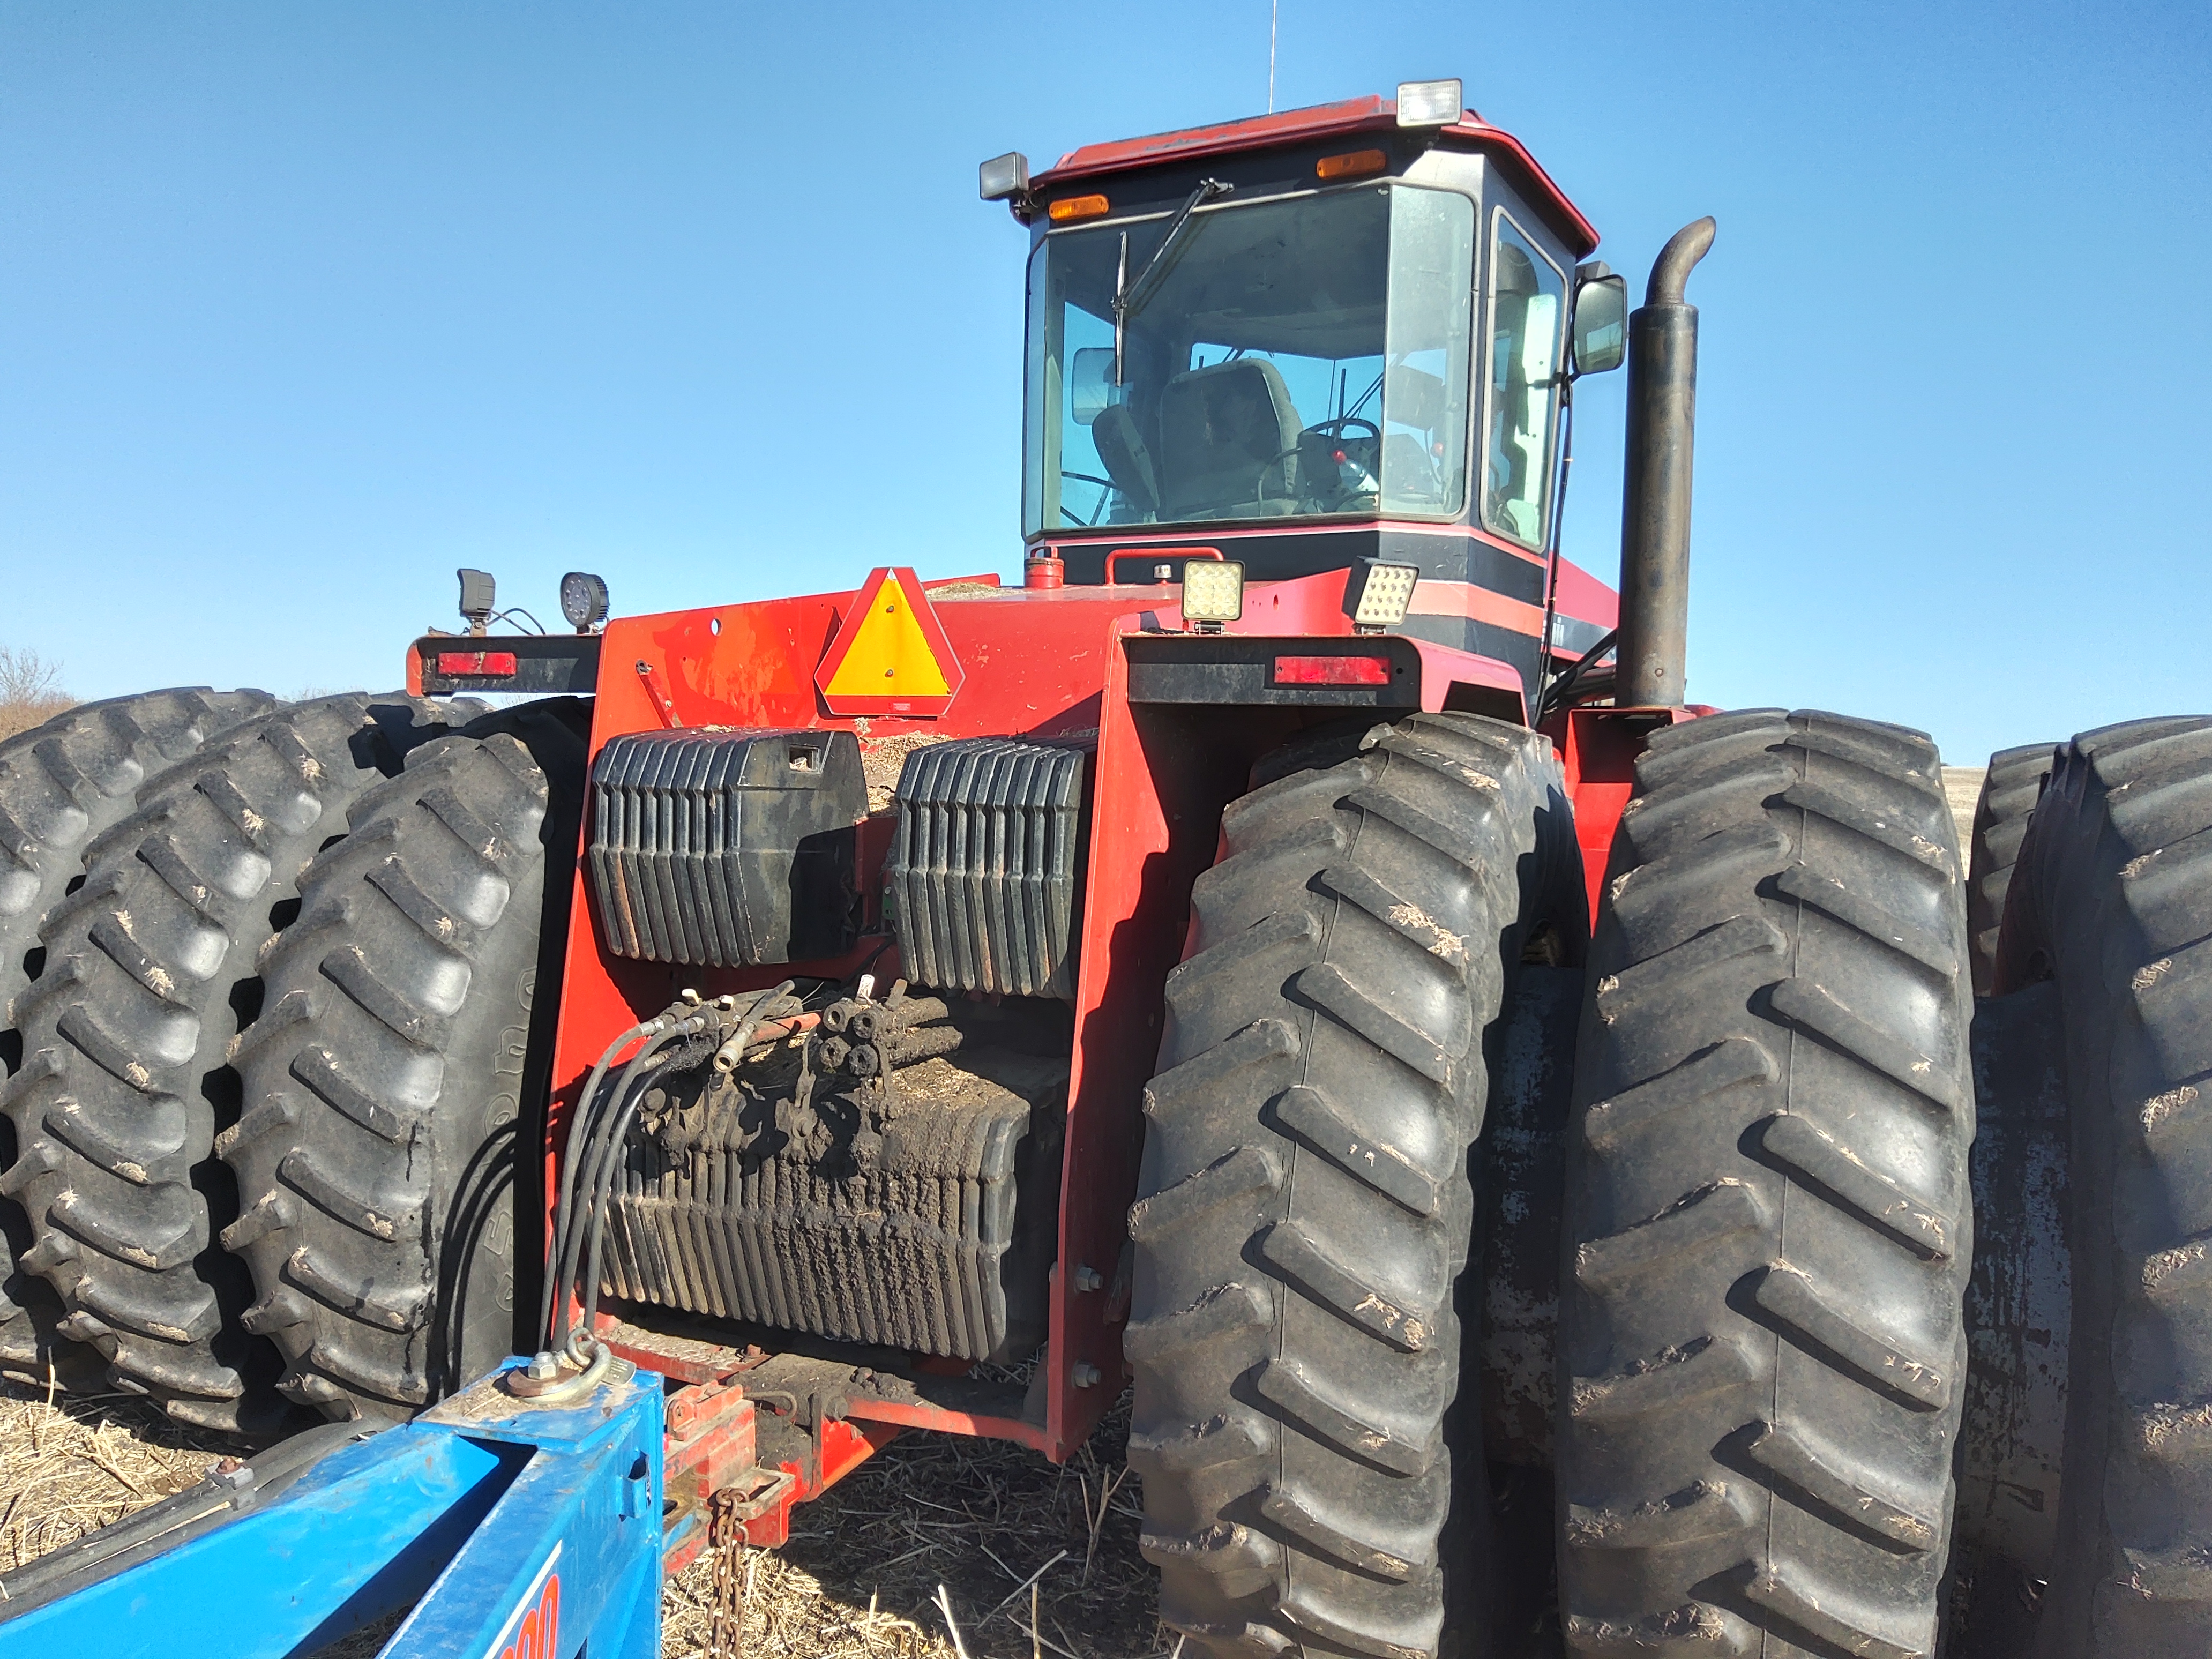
[{"x": 859, "y": 1577}]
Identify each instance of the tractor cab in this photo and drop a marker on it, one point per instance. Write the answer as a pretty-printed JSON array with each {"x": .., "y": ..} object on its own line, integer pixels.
[{"x": 1332, "y": 333}]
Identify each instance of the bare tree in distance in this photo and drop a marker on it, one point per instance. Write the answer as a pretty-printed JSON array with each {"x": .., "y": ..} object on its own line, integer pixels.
[{"x": 30, "y": 690}]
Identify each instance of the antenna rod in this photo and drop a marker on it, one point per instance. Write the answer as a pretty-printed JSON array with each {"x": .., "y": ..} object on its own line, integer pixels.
[{"x": 1275, "y": 8}]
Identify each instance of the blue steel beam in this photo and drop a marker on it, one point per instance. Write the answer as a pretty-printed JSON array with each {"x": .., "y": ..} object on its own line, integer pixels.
[{"x": 516, "y": 1532}]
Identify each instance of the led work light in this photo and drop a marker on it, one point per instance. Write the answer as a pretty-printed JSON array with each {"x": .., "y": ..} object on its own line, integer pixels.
[
  {"x": 1378, "y": 592},
  {"x": 1212, "y": 592},
  {"x": 479, "y": 598},
  {"x": 583, "y": 600},
  {"x": 1428, "y": 103},
  {"x": 1004, "y": 176}
]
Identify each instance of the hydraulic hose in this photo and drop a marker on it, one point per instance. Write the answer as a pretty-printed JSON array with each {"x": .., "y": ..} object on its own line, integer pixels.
[
  {"x": 620, "y": 1114},
  {"x": 579, "y": 1133},
  {"x": 603, "y": 1196},
  {"x": 573, "y": 1239}
]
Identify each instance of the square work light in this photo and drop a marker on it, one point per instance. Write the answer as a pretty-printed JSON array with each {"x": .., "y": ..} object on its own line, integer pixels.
[
  {"x": 1429, "y": 103},
  {"x": 479, "y": 598},
  {"x": 1212, "y": 591},
  {"x": 1378, "y": 594},
  {"x": 1004, "y": 176}
]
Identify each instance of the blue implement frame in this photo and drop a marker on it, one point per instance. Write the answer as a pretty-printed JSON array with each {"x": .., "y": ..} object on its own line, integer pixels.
[{"x": 512, "y": 1531}]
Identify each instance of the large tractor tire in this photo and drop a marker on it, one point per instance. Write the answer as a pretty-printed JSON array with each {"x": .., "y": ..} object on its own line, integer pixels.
[
  {"x": 1761, "y": 1351},
  {"x": 395, "y": 1082},
  {"x": 61, "y": 785},
  {"x": 2113, "y": 900},
  {"x": 150, "y": 972},
  {"x": 2010, "y": 787},
  {"x": 1312, "y": 1475}
]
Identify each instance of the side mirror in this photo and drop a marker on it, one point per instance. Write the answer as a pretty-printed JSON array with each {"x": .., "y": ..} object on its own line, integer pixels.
[
  {"x": 1600, "y": 320},
  {"x": 1091, "y": 389}
]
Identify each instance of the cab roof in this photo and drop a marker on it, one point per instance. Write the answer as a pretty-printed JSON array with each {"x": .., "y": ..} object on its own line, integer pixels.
[{"x": 1321, "y": 121}]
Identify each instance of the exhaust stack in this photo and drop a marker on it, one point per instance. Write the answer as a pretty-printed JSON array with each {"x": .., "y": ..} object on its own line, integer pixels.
[{"x": 1655, "y": 516}]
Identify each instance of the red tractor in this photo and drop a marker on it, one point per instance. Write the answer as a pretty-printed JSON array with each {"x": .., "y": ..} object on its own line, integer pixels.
[{"x": 1297, "y": 952}]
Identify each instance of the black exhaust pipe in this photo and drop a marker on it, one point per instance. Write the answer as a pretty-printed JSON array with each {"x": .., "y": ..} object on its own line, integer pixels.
[{"x": 1655, "y": 509}]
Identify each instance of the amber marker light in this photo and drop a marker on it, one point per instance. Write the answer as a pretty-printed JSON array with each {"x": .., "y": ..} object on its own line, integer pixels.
[
  {"x": 1355, "y": 164},
  {"x": 1076, "y": 207}
]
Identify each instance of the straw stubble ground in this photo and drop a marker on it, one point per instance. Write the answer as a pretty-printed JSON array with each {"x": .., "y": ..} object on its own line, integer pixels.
[{"x": 859, "y": 1579}]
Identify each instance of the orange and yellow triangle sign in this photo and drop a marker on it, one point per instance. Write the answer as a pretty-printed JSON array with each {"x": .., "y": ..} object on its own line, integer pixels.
[{"x": 891, "y": 656}]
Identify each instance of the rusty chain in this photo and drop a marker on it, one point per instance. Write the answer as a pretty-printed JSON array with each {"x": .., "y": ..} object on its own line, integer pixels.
[{"x": 726, "y": 1537}]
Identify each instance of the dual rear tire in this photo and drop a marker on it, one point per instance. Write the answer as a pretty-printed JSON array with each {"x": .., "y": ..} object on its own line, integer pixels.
[
  {"x": 1767, "y": 1225},
  {"x": 1302, "y": 1228},
  {"x": 323, "y": 924},
  {"x": 1768, "y": 1218},
  {"x": 2109, "y": 910}
]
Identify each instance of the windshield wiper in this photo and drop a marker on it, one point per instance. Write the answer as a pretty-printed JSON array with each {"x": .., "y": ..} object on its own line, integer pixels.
[{"x": 1130, "y": 298}]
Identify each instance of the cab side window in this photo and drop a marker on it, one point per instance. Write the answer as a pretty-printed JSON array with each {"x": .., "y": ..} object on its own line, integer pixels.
[{"x": 1527, "y": 304}]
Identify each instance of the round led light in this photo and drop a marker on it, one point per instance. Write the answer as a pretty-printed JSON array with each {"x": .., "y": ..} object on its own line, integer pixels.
[{"x": 583, "y": 600}]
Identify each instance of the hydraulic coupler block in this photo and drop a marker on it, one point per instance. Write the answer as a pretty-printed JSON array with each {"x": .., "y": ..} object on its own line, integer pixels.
[
  {"x": 891, "y": 1177},
  {"x": 728, "y": 849}
]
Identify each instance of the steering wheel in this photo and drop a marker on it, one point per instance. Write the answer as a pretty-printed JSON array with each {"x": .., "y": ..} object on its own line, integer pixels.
[
  {"x": 1107, "y": 487},
  {"x": 1333, "y": 427}
]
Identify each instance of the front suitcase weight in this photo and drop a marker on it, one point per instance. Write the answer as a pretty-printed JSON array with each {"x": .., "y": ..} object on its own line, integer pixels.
[{"x": 728, "y": 849}]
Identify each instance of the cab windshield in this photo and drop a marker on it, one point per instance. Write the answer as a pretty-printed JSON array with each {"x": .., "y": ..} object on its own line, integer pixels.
[{"x": 1303, "y": 357}]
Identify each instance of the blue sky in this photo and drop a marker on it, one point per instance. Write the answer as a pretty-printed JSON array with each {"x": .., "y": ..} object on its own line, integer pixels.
[{"x": 303, "y": 306}]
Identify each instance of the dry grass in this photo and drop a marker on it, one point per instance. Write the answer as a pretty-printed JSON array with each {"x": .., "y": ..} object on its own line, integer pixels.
[
  {"x": 860, "y": 1576},
  {"x": 987, "y": 1521},
  {"x": 30, "y": 691},
  {"x": 71, "y": 1466}
]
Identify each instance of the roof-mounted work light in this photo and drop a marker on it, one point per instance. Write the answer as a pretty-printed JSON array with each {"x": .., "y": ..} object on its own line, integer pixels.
[
  {"x": 1378, "y": 594},
  {"x": 1003, "y": 178},
  {"x": 583, "y": 600},
  {"x": 1212, "y": 593},
  {"x": 1429, "y": 103},
  {"x": 479, "y": 598}
]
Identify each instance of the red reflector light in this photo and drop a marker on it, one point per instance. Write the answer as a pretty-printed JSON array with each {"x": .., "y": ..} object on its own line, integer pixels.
[
  {"x": 1331, "y": 670},
  {"x": 481, "y": 665}
]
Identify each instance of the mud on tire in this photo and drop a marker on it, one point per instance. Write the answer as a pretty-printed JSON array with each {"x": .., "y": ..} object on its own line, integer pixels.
[
  {"x": 126, "y": 1080},
  {"x": 399, "y": 1069},
  {"x": 2113, "y": 900},
  {"x": 61, "y": 784},
  {"x": 1768, "y": 1214},
  {"x": 1304, "y": 1210},
  {"x": 2009, "y": 789}
]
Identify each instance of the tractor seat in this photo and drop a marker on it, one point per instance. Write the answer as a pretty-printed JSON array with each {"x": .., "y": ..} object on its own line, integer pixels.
[
  {"x": 1225, "y": 431},
  {"x": 1121, "y": 448}
]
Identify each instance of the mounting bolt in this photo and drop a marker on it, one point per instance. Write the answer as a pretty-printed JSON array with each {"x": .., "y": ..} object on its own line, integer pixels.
[
  {"x": 1163, "y": 573},
  {"x": 689, "y": 996},
  {"x": 543, "y": 1368},
  {"x": 1084, "y": 1376},
  {"x": 1088, "y": 1279}
]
